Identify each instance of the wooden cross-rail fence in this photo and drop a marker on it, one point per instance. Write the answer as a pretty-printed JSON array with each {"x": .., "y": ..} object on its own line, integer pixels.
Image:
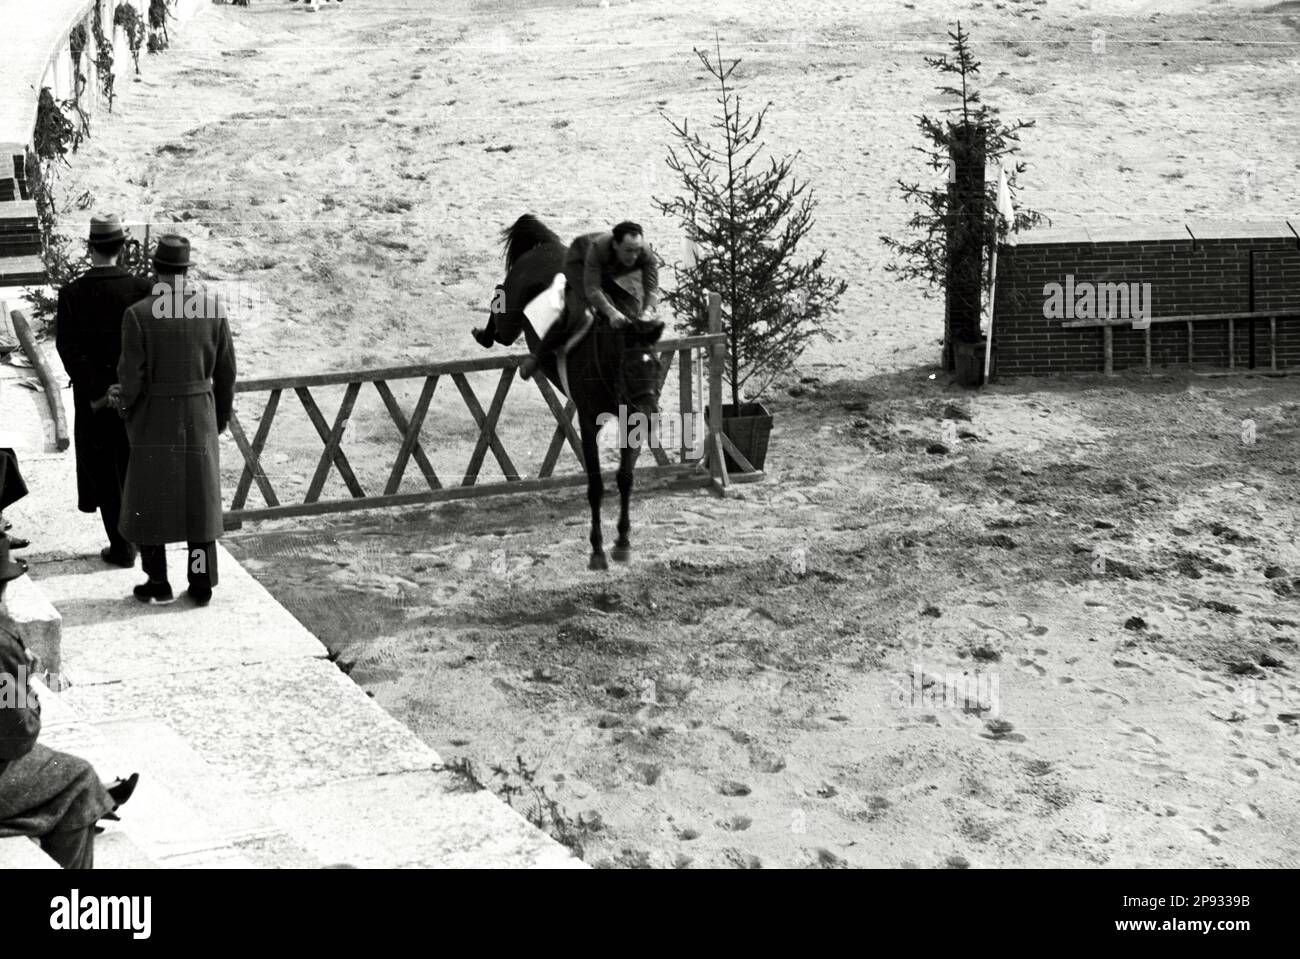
[{"x": 709, "y": 469}]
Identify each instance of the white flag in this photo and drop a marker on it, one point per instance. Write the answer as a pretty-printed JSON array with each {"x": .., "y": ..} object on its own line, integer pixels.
[{"x": 1004, "y": 204}]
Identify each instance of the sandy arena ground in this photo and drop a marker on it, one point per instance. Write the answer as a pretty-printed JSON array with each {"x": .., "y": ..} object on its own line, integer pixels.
[{"x": 1112, "y": 568}]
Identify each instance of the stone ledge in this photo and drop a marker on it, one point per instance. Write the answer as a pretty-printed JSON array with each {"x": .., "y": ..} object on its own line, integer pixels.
[
  {"x": 414, "y": 820},
  {"x": 31, "y": 616},
  {"x": 120, "y": 639},
  {"x": 291, "y": 724},
  {"x": 19, "y": 852}
]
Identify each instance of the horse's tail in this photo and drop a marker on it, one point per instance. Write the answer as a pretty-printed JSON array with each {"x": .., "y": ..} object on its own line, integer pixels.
[{"x": 523, "y": 235}]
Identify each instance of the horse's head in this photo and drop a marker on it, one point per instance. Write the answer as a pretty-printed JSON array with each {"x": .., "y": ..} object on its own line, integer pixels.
[{"x": 639, "y": 372}]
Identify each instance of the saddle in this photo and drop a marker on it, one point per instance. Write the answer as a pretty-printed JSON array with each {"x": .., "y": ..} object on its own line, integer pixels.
[{"x": 547, "y": 309}]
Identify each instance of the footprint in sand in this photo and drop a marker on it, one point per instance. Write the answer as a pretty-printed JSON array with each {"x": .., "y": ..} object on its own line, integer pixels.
[
  {"x": 1144, "y": 754},
  {"x": 999, "y": 730},
  {"x": 1207, "y": 836},
  {"x": 1248, "y": 811},
  {"x": 1107, "y": 692},
  {"x": 1029, "y": 665},
  {"x": 1030, "y": 626},
  {"x": 1245, "y": 775}
]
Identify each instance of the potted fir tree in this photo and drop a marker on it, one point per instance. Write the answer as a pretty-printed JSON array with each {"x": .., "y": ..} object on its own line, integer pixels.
[
  {"x": 744, "y": 216},
  {"x": 959, "y": 221}
]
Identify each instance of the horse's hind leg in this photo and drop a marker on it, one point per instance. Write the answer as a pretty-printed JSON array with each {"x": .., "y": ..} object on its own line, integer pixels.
[
  {"x": 595, "y": 490},
  {"x": 622, "y": 551}
]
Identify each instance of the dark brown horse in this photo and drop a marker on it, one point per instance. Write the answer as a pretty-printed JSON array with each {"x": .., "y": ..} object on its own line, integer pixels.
[{"x": 607, "y": 370}]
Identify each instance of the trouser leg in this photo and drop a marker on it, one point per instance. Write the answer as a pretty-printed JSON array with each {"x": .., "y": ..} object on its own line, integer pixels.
[
  {"x": 153, "y": 560},
  {"x": 72, "y": 848},
  {"x": 84, "y": 800},
  {"x": 109, "y": 513},
  {"x": 201, "y": 565},
  {"x": 117, "y": 453}
]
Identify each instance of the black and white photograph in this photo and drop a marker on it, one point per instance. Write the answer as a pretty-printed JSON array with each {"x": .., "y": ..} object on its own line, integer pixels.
[{"x": 644, "y": 434}]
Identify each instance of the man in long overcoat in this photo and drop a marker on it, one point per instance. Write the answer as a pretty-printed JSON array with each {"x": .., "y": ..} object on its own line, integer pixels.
[
  {"x": 177, "y": 386},
  {"x": 88, "y": 336}
]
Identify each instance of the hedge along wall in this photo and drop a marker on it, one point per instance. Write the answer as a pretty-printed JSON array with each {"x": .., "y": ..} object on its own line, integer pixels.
[
  {"x": 35, "y": 53},
  {"x": 1216, "y": 268}
]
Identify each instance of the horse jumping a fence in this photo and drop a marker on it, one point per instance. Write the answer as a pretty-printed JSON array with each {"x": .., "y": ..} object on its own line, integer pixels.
[{"x": 693, "y": 354}]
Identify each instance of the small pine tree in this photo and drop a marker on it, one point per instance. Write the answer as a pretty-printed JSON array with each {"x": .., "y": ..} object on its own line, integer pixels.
[
  {"x": 944, "y": 220},
  {"x": 744, "y": 221}
]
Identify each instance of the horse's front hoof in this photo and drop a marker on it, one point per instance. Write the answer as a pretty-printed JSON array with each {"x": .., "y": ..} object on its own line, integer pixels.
[
  {"x": 598, "y": 562},
  {"x": 621, "y": 554}
]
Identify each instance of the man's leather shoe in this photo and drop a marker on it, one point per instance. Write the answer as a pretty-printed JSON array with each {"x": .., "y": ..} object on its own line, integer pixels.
[
  {"x": 17, "y": 542},
  {"x": 115, "y": 558},
  {"x": 152, "y": 592},
  {"x": 200, "y": 595},
  {"x": 121, "y": 790}
]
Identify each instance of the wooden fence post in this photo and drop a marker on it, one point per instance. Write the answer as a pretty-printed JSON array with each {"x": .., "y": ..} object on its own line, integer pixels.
[
  {"x": 717, "y": 461},
  {"x": 686, "y": 404}
]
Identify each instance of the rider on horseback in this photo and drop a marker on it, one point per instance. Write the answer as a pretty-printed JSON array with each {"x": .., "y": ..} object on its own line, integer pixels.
[{"x": 601, "y": 269}]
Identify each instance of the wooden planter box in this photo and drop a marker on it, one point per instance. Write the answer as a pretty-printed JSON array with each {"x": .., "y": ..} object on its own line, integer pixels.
[
  {"x": 749, "y": 430},
  {"x": 970, "y": 362}
]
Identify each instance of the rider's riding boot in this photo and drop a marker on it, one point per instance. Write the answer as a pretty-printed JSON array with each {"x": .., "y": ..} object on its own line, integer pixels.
[{"x": 483, "y": 336}]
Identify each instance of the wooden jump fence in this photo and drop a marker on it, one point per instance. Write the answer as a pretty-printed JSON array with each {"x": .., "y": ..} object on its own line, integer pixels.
[{"x": 709, "y": 469}]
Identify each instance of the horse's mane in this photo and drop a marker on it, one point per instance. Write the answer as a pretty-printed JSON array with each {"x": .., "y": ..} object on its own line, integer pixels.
[{"x": 523, "y": 235}]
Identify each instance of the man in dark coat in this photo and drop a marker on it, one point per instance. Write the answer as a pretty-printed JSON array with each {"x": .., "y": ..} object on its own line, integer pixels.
[
  {"x": 177, "y": 388},
  {"x": 88, "y": 336},
  {"x": 46, "y": 795},
  {"x": 615, "y": 274}
]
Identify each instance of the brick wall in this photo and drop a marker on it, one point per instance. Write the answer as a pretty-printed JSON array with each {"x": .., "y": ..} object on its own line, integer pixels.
[{"x": 1211, "y": 275}]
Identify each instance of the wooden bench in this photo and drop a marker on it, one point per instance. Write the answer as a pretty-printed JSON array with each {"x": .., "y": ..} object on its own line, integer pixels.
[{"x": 1107, "y": 326}]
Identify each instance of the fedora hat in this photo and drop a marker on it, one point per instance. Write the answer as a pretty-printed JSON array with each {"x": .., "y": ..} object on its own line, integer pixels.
[
  {"x": 8, "y": 568},
  {"x": 171, "y": 254},
  {"x": 106, "y": 228}
]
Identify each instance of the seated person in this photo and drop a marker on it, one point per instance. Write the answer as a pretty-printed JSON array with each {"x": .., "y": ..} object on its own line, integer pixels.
[
  {"x": 601, "y": 269},
  {"x": 12, "y": 489},
  {"x": 49, "y": 796}
]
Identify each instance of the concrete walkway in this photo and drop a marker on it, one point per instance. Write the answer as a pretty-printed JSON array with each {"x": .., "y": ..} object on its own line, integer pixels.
[{"x": 253, "y": 749}]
